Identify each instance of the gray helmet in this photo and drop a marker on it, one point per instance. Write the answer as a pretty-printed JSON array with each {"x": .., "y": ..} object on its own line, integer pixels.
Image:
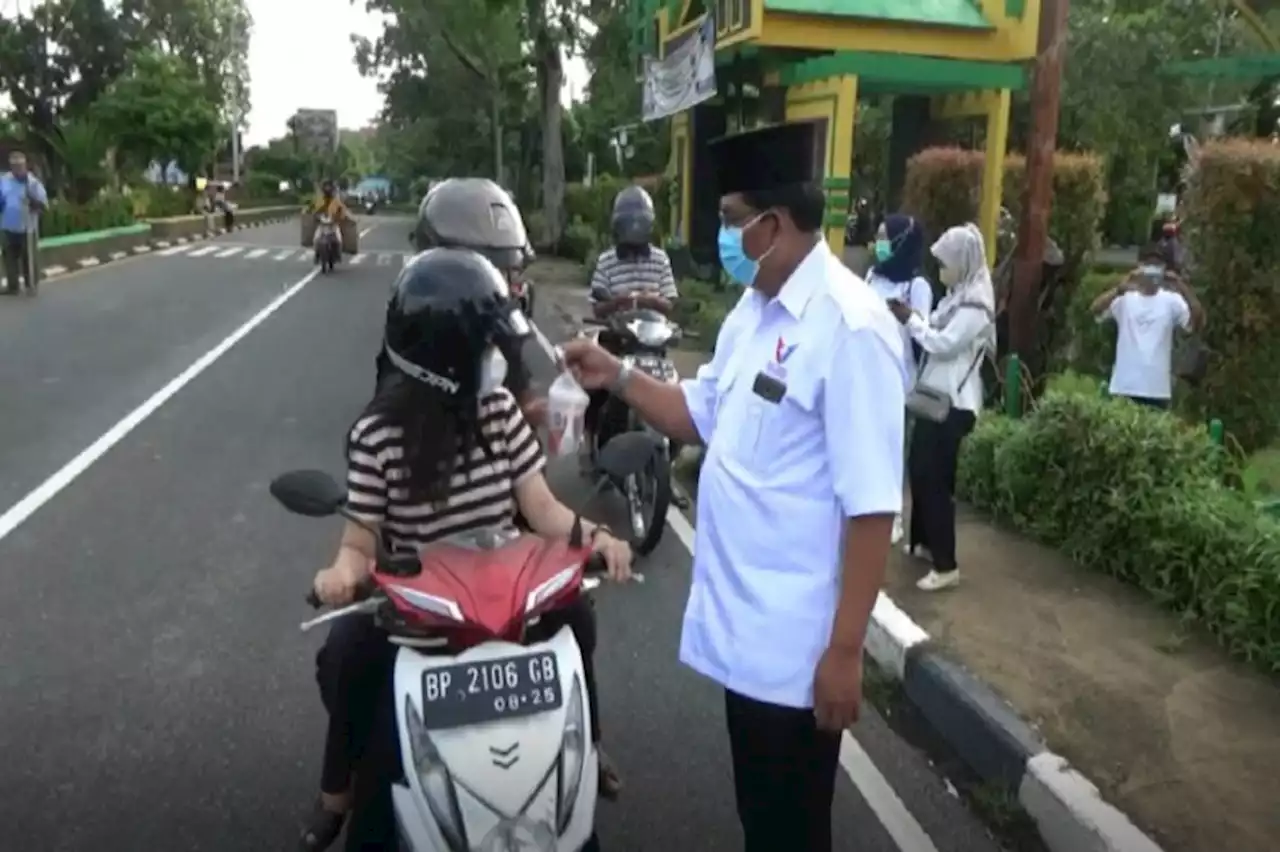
[
  {"x": 633, "y": 217},
  {"x": 473, "y": 213}
]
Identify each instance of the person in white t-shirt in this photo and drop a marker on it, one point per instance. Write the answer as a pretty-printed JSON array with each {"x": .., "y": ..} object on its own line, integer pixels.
[
  {"x": 899, "y": 251},
  {"x": 1147, "y": 306}
]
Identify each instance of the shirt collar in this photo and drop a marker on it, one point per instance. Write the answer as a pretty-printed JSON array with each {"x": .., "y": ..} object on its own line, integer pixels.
[{"x": 799, "y": 288}]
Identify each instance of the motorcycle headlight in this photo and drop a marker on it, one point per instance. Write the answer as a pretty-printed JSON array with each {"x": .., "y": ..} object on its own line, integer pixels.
[
  {"x": 573, "y": 755},
  {"x": 437, "y": 785}
]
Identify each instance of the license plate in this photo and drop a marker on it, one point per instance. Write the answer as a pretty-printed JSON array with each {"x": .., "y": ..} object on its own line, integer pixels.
[{"x": 490, "y": 690}]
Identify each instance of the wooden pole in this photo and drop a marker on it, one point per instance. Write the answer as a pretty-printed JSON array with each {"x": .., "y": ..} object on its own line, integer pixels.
[{"x": 1037, "y": 198}]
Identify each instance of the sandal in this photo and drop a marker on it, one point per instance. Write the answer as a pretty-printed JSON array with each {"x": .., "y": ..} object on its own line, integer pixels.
[
  {"x": 610, "y": 785},
  {"x": 322, "y": 828}
]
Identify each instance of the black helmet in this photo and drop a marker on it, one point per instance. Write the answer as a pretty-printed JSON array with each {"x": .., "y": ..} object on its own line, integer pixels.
[
  {"x": 473, "y": 213},
  {"x": 633, "y": 217},
  {"x": 447, "y": 308}
]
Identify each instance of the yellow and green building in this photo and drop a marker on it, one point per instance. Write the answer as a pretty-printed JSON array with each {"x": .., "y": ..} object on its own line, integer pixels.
[{"x": 811, "y": 60}]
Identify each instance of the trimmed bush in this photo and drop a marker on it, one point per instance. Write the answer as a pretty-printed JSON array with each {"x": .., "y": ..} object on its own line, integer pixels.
[
  {"x": 1091, "y": 344},
  {"x": 944, "y": 188},
  {"x": 1233, "y": 216},
  {"x": 103, "y": 212},
  {"x": 1138, "y": 495}
]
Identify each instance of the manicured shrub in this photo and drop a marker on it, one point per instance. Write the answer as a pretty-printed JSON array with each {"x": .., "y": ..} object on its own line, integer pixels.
[
  {"x": 1232, "y": 223},
  {"x": 1138, "y": 495},
  {"x": 1091, "y": 345},
  {"x": 105, "y": 211}
]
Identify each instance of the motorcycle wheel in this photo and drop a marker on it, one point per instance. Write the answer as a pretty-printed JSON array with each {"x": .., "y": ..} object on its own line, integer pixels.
[{"x": 647, "y": 532}]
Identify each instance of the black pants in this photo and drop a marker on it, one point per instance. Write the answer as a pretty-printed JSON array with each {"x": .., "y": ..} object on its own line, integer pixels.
[
  {"x": 228, "y": 220},
  {"x": 16, "y": 262},
  {"x": 784, "y": 775},
  {"x": 931, "y": 473},
  {"x": 354, "y": 671},
  {"x": 1149, "y": 402}
]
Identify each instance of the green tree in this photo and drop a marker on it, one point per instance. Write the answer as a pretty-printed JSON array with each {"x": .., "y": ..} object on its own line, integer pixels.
[{"x": 158, "y": 112}]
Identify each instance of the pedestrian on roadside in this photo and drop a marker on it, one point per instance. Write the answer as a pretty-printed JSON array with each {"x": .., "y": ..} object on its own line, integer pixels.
[
  {"x": 899, "y": 250},
  {"x": 800, "y": 409},
  {"x": 22, "y": 200},
  {"x": 954, "y": 339},
  {"x": 1147, "y": 306}
]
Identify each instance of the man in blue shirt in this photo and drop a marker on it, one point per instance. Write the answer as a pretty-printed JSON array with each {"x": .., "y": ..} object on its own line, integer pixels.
[{"x": 22, "y": 198}]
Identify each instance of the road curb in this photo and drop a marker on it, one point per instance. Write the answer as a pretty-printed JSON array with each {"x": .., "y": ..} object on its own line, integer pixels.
[
  {"x": 995, "y": 742},
  {"x": 149, "y": 246}
]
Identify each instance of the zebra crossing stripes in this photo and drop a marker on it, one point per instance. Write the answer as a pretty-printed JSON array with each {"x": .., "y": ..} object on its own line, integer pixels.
[{"x": 275, "y": 254}]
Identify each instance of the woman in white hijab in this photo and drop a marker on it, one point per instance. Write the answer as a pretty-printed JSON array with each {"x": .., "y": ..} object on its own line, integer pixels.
[{"x": 955, "y": 339}]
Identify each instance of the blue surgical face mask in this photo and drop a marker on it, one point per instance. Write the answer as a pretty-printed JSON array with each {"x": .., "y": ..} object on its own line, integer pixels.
[
  {"x": 733, "y": 257},
  {"x": 884, "y": 250}
]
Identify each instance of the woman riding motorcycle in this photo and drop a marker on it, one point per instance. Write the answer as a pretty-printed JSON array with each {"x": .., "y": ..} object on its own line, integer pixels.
[
  {"x": 477, "y": 214},
  {"x": 442, "y": 450}
]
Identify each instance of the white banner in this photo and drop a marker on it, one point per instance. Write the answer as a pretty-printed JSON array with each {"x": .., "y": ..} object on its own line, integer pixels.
[{"x": 685, "y": 77}]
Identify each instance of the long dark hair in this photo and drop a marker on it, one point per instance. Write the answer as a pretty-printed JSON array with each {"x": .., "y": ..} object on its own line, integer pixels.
[{"x": 438, "y": 431}]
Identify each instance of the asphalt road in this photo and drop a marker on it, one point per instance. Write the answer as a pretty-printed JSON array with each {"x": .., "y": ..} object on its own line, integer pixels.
[{"x": 157, "y": 694}]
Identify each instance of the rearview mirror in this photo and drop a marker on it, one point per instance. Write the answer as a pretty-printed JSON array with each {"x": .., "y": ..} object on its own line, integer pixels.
[
  {"x": 626, "y": 454},
  {"x": 312, "y": 493}
]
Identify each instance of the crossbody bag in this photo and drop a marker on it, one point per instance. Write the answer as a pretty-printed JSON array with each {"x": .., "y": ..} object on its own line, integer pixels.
[{"x": 934, "y": 404}]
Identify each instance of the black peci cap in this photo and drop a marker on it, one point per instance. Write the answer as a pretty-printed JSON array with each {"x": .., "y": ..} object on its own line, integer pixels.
[{"x": 769, "y": 158}]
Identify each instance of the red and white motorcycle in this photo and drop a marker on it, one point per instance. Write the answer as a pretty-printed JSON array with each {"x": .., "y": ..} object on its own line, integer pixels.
[{"x": 493, "y": 719}]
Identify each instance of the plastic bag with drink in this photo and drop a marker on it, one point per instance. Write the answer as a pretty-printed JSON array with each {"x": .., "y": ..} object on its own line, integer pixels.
[{"x": 566, "y": 415}]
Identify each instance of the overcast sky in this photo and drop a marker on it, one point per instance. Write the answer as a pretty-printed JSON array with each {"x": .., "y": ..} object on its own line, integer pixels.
[{"x": 288, "y": 32}]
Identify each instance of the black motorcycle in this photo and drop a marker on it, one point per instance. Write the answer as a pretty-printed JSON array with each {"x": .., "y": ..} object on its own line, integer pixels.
[{"x": 641, "y": 338}]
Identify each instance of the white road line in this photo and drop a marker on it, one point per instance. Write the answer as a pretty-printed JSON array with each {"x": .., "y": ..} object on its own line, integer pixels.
[
  {"x": 881, "y": 798},
  {"x": 170, "y": 252},
  {"x": 366, "y": 231},
  {"x": 357, "y": 259},
  {"x": 284, "y": 255},
  {"x": 256, "y": 253},
  {"x": 384, "y": 259},
  {"x": 64, "y": 476},
  {"x": 234, "y": 250},
  {"x": 201, "y": 252},
  {"x": 875, "y": 789}
]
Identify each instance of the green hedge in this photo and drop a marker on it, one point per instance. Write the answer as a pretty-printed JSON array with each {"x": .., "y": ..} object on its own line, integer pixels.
[
  {"x": 1233, "y": 219},
  {"x": 1092, "y": 344},
  {"x": 1138, "y": 495},
  {"x": 106, "y": 211}
]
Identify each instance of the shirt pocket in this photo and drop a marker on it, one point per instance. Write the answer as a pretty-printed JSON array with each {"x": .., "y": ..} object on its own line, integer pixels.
[{"x": 778, "y": 430}]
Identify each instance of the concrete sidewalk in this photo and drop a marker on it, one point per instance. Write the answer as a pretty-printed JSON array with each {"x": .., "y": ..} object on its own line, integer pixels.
[{"x": 1177, "y": 736}]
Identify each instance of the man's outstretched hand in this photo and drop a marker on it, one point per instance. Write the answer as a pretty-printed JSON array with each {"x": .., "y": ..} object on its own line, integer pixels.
[{"x": 592, "y": 366}]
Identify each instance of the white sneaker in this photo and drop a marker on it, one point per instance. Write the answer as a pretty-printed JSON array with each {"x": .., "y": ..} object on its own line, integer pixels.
[
  {"x": 918, "y": 552},
  {"x": 898, "y": 532},
  {"x": 936, "y": 581}
]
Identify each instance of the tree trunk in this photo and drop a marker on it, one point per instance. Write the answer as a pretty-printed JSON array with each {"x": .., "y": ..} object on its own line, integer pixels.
[
  {"x": 495, "y": 121},
  {"x": 550, "y": 81}
]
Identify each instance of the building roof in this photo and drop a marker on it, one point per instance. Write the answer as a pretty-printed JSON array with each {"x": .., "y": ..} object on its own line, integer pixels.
[{"x": 963, "y": 14}]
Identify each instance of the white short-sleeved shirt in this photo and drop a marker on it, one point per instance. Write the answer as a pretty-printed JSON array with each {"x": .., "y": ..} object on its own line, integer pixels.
[
  {"x": 781, "y": 478},
  {"x": 1144, "y": 342}
]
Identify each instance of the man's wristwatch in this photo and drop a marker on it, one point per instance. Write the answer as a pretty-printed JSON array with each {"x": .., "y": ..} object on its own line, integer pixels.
[{"x": 619, "y": 385}]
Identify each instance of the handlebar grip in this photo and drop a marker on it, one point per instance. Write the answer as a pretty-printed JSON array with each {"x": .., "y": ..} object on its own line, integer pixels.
[
  {"x": 595, "y": 564},
  {"x": 313, "y": 600}
]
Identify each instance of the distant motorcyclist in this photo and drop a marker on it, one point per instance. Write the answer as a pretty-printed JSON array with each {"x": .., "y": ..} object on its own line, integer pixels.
[
  {"x": 328, "y": 202},
  {"x": 631, "y": 274},
  {"x": 477, "y": 214}
]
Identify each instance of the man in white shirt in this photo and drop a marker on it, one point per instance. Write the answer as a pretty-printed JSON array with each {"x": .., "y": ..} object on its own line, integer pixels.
[
  {"x": 801, "y": 413},
  {"x": 1147, "y": 306}
]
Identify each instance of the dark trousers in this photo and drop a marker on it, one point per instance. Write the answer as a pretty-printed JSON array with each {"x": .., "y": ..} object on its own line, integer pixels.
[
  {"x": 16, "y": 261},
  {"x": 784, "y": 775},
  {"x": 354, "y": 671},
  {"x": 1149, "y": 402},
  {"x": 931, "y": 473}
]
